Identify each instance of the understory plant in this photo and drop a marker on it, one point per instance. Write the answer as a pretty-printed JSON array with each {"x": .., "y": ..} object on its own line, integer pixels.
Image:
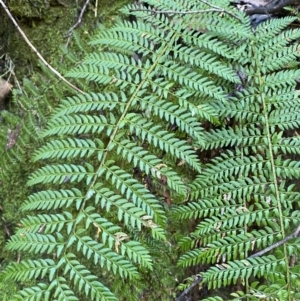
[{"x": 187, "y": 132}]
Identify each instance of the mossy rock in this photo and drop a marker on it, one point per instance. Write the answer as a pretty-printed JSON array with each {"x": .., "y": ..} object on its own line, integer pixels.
[{"x": 28, "y": 9}]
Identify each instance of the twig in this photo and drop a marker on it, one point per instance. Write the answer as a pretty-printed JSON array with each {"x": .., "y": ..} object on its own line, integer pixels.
[
  {"x": 35, "y": 50},
  {"x": 221, "y": 9},
  {"x": 185, "y": 292},
  {"x": 278, "y": 243},
  {"x": 188, "y": 12},
  {"x": 79, "y": 18},
  {"x": 96, "y": 8},
  {"x": 275, "y": 245}
]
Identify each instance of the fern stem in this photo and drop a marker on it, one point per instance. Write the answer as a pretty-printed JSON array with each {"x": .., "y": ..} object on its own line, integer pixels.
[
  {"x": 114, "y": 133},
  {"x": 245, "y": 204},
  {"x": 267, "y": 127}
]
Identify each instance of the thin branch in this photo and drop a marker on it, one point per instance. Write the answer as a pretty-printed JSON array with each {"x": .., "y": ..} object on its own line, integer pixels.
[
  {"x": 213, "y": 8},
  {"x": 278, "y": 243},
  {"x": 197, "y": 280},
  {"x": 69, "y": 32},
  {"x": 96, "y": 8},
  {"x": 188, "y": 12},
  {"x": 35, "y": 50},
  {"x": 221, "y": 9}
]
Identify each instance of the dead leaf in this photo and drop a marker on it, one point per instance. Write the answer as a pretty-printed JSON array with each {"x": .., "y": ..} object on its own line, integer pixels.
[{"x": 12, "y": 136}]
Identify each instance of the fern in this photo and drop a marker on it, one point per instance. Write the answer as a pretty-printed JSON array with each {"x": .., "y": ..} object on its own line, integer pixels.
[
  {"x": 113, "y": 160},
  {"x": 94, "y": 142},
  {"x": 243, "y": 199}
]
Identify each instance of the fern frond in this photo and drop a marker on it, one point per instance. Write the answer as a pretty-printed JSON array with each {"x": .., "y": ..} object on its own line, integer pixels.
[
  {"x": 205, "y": 61},
  {"x": 52, "y": 199},
  {"x": 85, "y": 280},
  {"x": 234, "y": 188},
  {"x": 105, "y": 257},
  {"x": 29, "y": 269},
  {"x": 123, "y": 179},
  {"x": 70, "y": 148},
  {"x": 228, "y": 138},
  {"x": 251, "y": 168},
  {"x": 229, "y": 165},
  {"x": 136, "y": 252},
  {"x": 134, "y": 192},
  {"x": 228, "y": 248},
  {"x": 230, "y": 272},
  {"x": 62, "y": 290},
  {"x": 126, "y": 211},
  {"x": 280, "y": 59},
  {"x": 123, "y": 157},
  {"x": 273, "y": 29},
  {"x": 60, "y": 173},
  {"x": 36, "y": 292},
  {"x": 49, "y": 223},
  {"x": 77, "y": 124},
  {"x": 165, "y": 141},
  {"x": 204, "y": 208},
  {"x": 34, "y": 243},
  {"x": 175, "y": 115},
  {"x": 90, "y": 102}
]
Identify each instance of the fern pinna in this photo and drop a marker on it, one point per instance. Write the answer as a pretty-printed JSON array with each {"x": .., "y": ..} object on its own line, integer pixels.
[{"x": 244, "y": 199}]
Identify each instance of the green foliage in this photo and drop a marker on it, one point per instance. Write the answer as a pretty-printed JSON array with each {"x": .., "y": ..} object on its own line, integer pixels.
[
  {"x": 111, "y": 160},
  {"x": 244, "y": 200}
]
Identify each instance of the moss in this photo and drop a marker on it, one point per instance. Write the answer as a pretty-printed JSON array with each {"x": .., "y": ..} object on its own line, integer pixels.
[
  {"x": 29, "y": 9},
  {"x": 13, "y": 191},
  {"x": 7, "y": 290},
  {"x": 45, "y": 23},
  {"x": 45, "y": 33}
]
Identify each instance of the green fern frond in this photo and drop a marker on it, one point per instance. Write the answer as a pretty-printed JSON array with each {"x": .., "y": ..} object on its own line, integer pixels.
[
  {"x": 250, "y": 176},
  {"x": 70, "y": 148},
  {"x": 48, "y": 223},
  {"x": 77, "y": 124},
  {"x": 134, "y": 192},
  {"x": 90, "y": 102},
  {"x": 83, "y": 278},
  {"x": 105, "y": 257},
  {"x": 123, "y": 179},
  {"x": 30, "y": 269},
  {"x": 173, "y": 114},
  {"x": 219, "y": 275},
  {"x": 62, "y": 290},
  {"x": 36, "y": 292},
  {"x": 166, "y": 141},
  {"x": 60, "y": 173},
  {"x": 228, "y": 248},
  {"x": 137, "y": 253},
  {"x": 272, "y": 30},
  {"x": 126, "y": 211},
  {"x": 204, "y": 208},
  {"x": 34, "y": 242},
  {"x": 52, "y": 199},
  {"x": 121, "y": 158}
]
